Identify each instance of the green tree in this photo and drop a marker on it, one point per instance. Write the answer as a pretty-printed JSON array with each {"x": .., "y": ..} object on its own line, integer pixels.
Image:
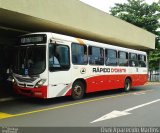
[{"x": 145, "y": 16}]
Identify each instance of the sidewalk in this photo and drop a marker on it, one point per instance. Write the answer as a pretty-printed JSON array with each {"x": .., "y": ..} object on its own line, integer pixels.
[{"x": 152, "y": 83}]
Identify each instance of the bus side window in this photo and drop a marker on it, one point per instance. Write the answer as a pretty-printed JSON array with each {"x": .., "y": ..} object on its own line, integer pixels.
[
  {"x": 123, "y": 58},
  {"x": 142, "y": 60},
  {"x": 96, "y": 55},
  {"x": 133, "y": 61},
  {"x": 111, "y": 57},
  {"x": 79, "y": 54}
]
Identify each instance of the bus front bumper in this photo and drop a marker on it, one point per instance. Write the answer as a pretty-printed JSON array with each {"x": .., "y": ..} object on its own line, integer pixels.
[{"x": 40, "y": 92}]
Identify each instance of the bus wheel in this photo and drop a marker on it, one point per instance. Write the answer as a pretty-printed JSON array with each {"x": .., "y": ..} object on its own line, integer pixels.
[
  {"x": 127, "y": 85},
  {"x": 77, "y": 90}
]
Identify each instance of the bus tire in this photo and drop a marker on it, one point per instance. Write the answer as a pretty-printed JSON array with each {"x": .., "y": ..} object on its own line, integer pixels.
[
  {"x": 78, "y": 90},
  {"x": 127, "y": 85}
]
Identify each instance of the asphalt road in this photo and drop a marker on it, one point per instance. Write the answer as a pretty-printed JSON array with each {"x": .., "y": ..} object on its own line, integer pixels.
[{"x": 137, "y": 108}]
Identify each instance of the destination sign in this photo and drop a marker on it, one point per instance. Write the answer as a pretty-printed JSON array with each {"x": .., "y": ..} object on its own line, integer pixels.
[{"x": 33, "y": 39}]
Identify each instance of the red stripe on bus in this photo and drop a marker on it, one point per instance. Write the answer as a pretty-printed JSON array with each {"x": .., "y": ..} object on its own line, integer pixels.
[
  {"x": 110, "y": 82},
  {"x": 68, "y": 93}
]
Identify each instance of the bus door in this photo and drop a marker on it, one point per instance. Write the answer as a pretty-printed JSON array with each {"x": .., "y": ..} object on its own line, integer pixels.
[{"x": 59, "y": 69}]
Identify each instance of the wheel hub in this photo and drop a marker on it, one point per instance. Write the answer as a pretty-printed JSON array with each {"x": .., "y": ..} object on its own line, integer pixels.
[{"x": 78, "y": 90}]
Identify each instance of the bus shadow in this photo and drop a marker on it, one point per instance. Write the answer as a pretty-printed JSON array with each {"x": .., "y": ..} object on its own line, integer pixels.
[
  {"x": 111, "y": 93},
  {"x": 68, "y": 99}
]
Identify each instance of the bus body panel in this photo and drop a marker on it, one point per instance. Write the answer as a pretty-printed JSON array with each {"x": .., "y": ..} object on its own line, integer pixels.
[{"x": 59, "y": 83}]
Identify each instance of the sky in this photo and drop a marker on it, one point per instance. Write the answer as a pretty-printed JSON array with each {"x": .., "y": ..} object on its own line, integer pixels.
[{"x": 105, "y": 5}]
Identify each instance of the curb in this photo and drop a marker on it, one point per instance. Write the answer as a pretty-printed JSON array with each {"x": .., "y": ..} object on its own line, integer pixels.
[
  {"x": 10, "y": 98},
  {"x": 7, "y": 99},
  {"x": 152, "y": 83}
]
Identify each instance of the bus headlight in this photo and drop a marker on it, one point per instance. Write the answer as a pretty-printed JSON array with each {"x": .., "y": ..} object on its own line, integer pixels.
[
  {"x": 13, "y": 81},
  {"x": 40, "y": 83}
]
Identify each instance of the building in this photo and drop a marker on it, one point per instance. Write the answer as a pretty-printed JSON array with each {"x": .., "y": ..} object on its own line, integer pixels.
[{"x": 70, "y": 17}]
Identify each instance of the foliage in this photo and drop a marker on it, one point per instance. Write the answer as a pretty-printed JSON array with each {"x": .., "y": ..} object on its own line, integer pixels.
[
  {"x": 143, "y": 15},
  {"x": 154, "y": 59}
]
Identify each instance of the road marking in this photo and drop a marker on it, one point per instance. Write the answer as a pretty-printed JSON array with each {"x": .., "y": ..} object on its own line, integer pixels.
[
  {"x": 116, "y": 113},
  {"x": 4, "y": 115},
  {"x": 68, "y": 105},
  {"x": 139, "y": 93}
]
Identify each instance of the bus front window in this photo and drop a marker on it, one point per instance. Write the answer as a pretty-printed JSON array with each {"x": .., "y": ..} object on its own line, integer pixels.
[{"x": 30, "y": 60}]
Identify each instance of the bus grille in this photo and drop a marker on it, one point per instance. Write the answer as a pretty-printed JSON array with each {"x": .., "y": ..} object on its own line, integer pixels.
[{"x": 28, "y": 80}]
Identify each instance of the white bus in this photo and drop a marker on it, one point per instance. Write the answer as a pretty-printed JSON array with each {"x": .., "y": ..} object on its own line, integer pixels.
[{"x": 51, "y": 65}]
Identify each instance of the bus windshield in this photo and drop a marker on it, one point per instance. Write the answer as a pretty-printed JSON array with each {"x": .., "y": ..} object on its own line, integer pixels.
[{"x": 29, "y": 60}]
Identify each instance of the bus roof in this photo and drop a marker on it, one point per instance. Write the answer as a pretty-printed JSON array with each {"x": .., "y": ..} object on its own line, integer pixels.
[{"x": 87, "y": 42}]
